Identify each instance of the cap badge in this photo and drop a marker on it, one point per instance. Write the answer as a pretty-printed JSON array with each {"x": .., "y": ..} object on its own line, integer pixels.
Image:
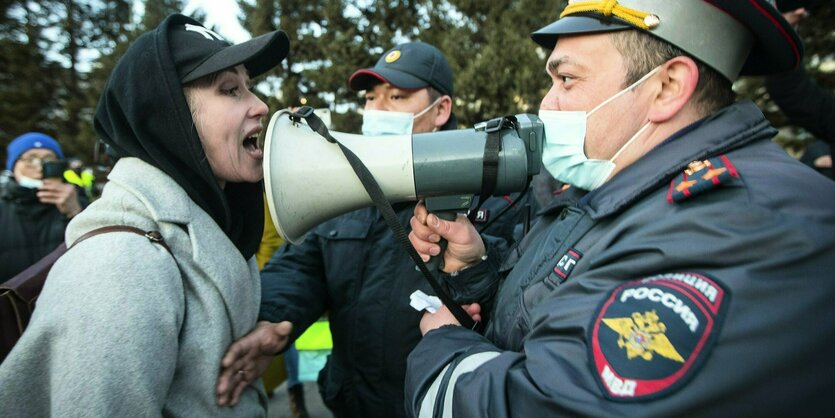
[
  {"x": 393, "y": 56},
  {"x": 652, "y": 21},
  {"x": 634, "y": 17}
]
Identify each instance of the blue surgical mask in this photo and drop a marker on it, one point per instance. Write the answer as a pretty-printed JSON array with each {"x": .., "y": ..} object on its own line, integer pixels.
[
  {"x": 565, "y": 137},
  {"x": 384, "y": 122}
]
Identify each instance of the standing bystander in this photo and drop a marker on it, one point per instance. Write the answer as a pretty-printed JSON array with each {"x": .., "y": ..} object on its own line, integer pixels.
[{"x": 34, "y": 211}]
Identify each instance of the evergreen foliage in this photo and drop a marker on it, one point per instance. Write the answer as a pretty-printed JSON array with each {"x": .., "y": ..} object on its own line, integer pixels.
[{"x": 55, "y": 56}]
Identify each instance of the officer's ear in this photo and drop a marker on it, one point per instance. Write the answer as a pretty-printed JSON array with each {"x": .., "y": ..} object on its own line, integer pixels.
[
  {"x": 442, "y": 111},
  {"x": 677, "y": 80}
]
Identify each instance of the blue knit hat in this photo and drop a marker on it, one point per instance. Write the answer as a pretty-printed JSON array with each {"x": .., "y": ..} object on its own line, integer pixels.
[{"x": 28, "y": 141}]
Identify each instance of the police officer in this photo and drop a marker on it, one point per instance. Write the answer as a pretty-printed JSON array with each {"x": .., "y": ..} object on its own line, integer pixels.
[
  {"x": 693, "y": 278},
  {"x": 353, "y": 266}
]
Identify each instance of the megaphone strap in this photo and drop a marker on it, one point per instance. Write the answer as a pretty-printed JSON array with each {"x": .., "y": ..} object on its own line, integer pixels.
[
  {"x": 379, "y": 199},
  {"x": 490, "y": 164}
]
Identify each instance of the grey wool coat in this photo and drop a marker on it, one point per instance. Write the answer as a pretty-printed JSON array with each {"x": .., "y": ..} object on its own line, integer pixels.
[{"x": 120, "y": 329}]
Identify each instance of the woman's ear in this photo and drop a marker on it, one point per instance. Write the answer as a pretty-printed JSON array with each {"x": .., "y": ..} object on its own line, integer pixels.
[
  {"x": 679, "y": 77},
  {"x": 443, "y": 111}
]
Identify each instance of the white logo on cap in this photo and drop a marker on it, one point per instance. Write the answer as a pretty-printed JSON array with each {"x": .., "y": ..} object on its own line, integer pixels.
[{"x": 207, "y": 33}]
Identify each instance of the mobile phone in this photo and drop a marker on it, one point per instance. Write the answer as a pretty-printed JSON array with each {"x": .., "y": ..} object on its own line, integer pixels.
[{"x": 54, "y": 169}]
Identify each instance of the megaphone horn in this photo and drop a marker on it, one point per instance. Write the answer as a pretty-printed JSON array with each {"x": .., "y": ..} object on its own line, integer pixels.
[{"x": 308, "y": 179}]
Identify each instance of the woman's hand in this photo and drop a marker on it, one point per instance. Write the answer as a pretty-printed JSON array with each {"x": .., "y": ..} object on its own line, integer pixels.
[{"x": 248, "y": 358}]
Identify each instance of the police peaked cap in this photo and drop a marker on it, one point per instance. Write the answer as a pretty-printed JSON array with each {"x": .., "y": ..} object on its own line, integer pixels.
[
  {"x": 734, "y": 37},
  {"x": 410, "y": 66}
]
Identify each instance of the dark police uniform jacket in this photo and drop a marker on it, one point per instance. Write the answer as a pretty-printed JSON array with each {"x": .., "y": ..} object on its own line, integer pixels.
[
  {"x": 699, "y": 281},
  {"x": 353, "y": 268}
]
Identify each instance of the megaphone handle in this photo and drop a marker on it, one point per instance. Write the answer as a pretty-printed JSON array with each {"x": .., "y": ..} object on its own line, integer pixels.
[{"x": 435, "y": 263}]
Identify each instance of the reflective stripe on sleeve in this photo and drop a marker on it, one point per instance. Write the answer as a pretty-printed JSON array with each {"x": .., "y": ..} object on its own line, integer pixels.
[
  {"x": 466, "y": 365},
  {"x": 427, "y": 406}
]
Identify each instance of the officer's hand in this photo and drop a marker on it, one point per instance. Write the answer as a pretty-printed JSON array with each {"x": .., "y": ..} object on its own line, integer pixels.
[
  {"x": 62, "y": 195},
  {"x": 248, "y": 358},
  {"x": 464, "y": 246},
  {"x": 443, "y": 317}
]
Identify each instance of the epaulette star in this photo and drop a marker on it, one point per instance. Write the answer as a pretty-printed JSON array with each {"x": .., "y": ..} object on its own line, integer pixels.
[{"x": 701, "y": 176}]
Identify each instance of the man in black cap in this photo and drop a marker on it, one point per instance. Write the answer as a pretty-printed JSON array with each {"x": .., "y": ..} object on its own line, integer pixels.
[
  {"x": 353, "y": 267},
  {"x": 409, "y": 90},
  {"x": 691, "y": 277}
]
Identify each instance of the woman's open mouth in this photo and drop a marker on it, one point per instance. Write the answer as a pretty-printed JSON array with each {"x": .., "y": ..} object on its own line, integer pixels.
[{"x": 252, "y": 148}]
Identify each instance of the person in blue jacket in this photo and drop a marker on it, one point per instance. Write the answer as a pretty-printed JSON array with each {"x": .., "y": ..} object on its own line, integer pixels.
[{"x": 688, "y": 270}]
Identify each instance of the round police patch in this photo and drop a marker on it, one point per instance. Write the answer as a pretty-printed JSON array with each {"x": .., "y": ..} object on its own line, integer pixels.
[
  {"x": 651, "y": 335},
  {"x": 392, "y": 56}
]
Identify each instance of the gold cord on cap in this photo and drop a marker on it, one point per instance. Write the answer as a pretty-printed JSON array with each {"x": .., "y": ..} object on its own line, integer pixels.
[{"x": 636, "y": 18}]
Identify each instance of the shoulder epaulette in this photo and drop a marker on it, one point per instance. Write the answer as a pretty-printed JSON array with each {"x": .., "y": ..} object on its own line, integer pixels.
[{"x": 701, "y": 176}]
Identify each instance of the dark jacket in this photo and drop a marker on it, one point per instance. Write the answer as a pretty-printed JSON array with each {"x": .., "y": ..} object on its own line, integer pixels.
[
  {"x": 29, "y": 229},
  {"x": 807, "y": 104},
  {"x": 662, "y": 293},
  {"x": 353, "y": 268}
]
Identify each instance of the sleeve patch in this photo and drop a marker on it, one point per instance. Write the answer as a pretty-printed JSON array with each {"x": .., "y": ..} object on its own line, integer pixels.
[
  {"x": 700, "y": 177},
  {"x": 650, "y": 336}
]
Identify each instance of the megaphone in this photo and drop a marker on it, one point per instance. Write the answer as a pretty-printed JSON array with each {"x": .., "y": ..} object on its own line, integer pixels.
[{"x": 309, "y": 180}]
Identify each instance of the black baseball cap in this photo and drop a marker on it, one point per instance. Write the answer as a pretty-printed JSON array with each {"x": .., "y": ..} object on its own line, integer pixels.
[
  {"x": 408, "y": 66},
  {"x": 198, "y": 51},
  {"x": 734, "y": 37}
]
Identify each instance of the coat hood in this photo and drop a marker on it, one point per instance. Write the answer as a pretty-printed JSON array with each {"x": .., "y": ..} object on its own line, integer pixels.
[{"x": 143, "y": 113}]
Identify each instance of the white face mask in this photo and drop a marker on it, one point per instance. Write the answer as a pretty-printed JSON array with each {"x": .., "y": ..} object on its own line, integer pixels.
[
  {"x": 565, "y": 137},
  {"x": 384, "y": 122},
  {"x": 29, "y": 182}
]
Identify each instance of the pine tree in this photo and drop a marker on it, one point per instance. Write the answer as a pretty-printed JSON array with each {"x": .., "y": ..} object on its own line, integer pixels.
[
  {"x": 48, "y": 84},
  {"x": 54, "y": 90},
  {"x": 498, "y": 69},
  {"x": 156, "y": 11},
  {"x": 28, "y": 79}
]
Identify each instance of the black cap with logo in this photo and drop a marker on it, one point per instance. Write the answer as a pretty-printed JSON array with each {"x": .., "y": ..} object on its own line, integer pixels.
[
  {"x": 408, "y": 66},
  {"x": 198, "y": 51}
]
